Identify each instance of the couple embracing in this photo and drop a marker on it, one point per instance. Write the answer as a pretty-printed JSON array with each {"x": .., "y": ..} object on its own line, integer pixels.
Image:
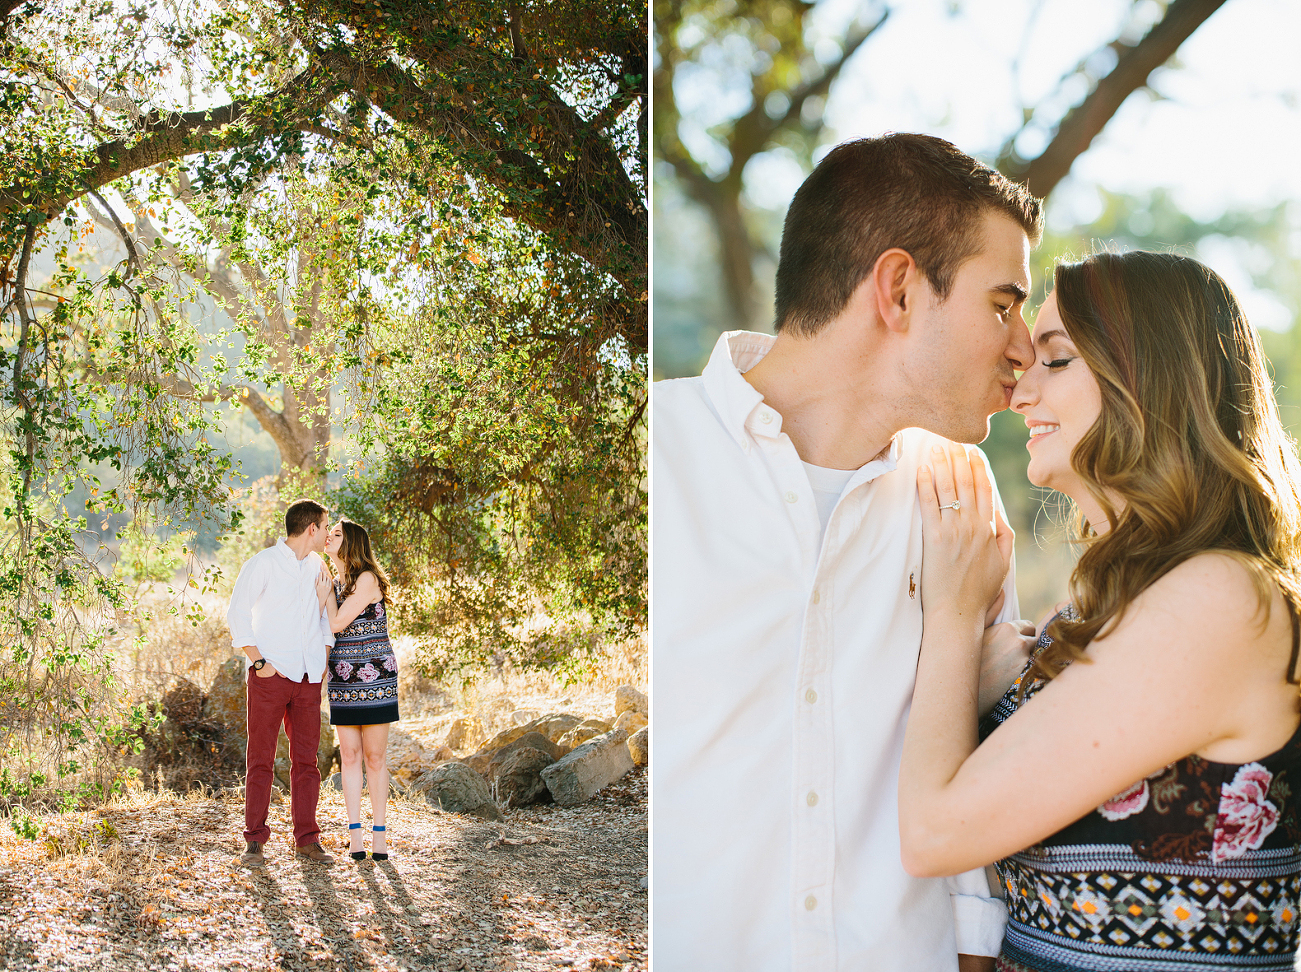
[
  {"x": 853, "y": 724},
  {"x": 296, "y": 622}
]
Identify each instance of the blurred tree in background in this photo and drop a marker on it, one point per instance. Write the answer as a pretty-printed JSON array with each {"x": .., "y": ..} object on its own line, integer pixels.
[
  {"x": 743, "y": 91},
  {"x": 408, "y": 238}
]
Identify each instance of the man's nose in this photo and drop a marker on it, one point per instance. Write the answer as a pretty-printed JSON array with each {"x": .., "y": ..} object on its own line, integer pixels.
[{"x": 1020, "y": 352}]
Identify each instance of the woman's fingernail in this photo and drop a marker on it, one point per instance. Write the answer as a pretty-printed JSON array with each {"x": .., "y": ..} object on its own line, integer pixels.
[{"x": 938, "y": 450}]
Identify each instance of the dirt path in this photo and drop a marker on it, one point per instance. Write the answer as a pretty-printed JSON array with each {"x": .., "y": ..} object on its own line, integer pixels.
[{"x": 155, "y": 883}]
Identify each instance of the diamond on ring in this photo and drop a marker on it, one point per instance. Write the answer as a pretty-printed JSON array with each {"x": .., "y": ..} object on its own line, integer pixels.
[{"x": 955, "y": 505}]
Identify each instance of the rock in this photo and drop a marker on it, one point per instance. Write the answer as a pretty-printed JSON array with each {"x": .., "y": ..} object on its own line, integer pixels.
[
  {"x": 554, "y": 725},
  {"x": 627, "y": 698},
  {"x": 406, "y": 757},
  {"x": 577, "y": 775},
  {"x": 530, "y": 740},
  {"x": 519, "y": 780},
  {"x": 225, "y": 704},
  {"x": 465, "y": 733},
  {"x": 639, "y": 746},
  {"x": 456, "y": 788},
  {"x": 630, "y": 720},
  {"x": 522, "y": 717},
  {"x": 442, "y": 754},
  {"x": 582, "y": 732},
  {"x": 576, "y": 737},
  {"x": 183, "y": 703},
  {"x": 479, "y": 761},
  {"x": 502, "y": 738}
]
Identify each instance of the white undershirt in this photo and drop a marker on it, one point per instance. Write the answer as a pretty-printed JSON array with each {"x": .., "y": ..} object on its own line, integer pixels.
[{"x": 827, "y": 485}]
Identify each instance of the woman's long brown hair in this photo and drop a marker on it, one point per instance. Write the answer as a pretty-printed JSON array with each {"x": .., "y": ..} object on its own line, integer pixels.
[
  {"x": 356, "y": 556},
  {"x": 1187, "y": 455}
]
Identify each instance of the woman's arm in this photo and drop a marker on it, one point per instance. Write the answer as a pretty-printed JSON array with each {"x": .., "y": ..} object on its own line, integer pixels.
[
  {"x": 364, "y": 593},
  {"x": 1191, "y": 666}
]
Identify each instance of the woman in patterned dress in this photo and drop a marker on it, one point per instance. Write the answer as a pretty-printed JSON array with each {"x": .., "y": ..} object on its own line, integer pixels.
[
  {"x": 1138, "y": 787},
  {"x": 363, "y": 683}
]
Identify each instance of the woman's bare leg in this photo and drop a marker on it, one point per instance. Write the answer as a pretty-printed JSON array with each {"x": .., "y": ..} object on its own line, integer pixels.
[
  {"x": 350, "y": 749},
  {"x": 374, "y": 745}
]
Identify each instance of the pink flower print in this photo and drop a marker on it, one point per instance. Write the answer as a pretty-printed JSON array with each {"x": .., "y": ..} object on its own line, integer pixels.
[
  {"x": 1126, "y": 803},
  {"x": 1246, "y": 817},
  {"x": 343, "y": 670},
  {"x": 390, "y": 663},
  {"x": 368, "y": 672}
]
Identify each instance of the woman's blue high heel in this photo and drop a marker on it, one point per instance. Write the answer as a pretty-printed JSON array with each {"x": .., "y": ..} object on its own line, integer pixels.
[
  {"x": 356, "y": 855},
  {"x": 374, "y": 856}
]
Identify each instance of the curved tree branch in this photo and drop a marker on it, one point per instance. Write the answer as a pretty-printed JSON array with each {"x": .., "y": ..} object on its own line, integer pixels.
[{"x": 1084, "y": 122}]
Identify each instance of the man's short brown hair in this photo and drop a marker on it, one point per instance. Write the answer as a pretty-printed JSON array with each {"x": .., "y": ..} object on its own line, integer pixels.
[
  {"x": 302, "y": 514},
  {"x": 915, "y": 192}
]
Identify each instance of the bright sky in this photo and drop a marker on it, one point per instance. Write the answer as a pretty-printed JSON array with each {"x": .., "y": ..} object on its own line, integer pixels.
[{"x": 1226, "y": 130}]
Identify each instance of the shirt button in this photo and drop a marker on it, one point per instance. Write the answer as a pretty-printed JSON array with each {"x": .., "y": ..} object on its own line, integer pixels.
[
  {"x": 810, "y": 903},
  {"x": 810, "y": 696},
  {"x": 816, "y": 597},
  {"x": 811, "y": 799},
  {"x": 791, "y": 497},
  {"x": 765, "y": 417}
]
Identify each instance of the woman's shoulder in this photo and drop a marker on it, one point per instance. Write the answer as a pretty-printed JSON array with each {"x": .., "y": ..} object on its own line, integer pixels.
[
  {"x": 1215, "y": 582},
  {"x": 1213, "y": 604}
]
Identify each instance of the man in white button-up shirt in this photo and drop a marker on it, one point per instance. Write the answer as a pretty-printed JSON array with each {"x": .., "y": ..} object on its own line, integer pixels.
[
  {"x": 787, "y": 563},
  {"x": 276, "y": 618}
]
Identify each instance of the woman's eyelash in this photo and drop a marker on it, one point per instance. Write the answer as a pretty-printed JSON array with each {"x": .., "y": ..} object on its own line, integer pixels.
[{"x": 1058, "y": 363}]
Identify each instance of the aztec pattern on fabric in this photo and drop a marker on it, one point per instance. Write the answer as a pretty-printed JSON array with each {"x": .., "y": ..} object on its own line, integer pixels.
[
  {"x": 1198, "y": 866},
  {"x": 363, "y": 685}
]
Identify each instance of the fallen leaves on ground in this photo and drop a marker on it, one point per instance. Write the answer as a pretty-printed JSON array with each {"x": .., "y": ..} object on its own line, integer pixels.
[{"x": 156, "y": 883}]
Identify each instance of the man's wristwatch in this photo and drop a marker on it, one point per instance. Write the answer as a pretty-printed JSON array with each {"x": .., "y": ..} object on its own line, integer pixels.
[{"x": 259, "y": 664}]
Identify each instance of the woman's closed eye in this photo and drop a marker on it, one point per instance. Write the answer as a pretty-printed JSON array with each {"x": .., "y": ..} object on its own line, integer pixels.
[{"x": 1058, "y": 363}]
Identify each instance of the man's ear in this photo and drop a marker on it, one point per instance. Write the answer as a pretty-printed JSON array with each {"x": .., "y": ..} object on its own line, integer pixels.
[{"x": 891, "y": 281}]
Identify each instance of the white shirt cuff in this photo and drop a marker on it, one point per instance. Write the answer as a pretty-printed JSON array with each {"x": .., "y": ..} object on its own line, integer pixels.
[{"x": 978, "y": 924}]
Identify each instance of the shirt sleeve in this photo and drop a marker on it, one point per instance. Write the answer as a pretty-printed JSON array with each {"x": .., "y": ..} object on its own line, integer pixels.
[
  {"x": 978, "y": 918},
  {"x": 239, "y": 615},
  {"x": 326, "y": 633}
]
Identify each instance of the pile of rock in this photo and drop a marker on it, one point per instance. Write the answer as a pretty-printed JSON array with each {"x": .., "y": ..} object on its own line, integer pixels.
[{"x": 557, "y": 756}]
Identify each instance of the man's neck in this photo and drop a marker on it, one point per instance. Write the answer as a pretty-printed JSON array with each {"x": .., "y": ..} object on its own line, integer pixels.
[
  {"x": 300, "y": 545},
  {"x": 834, "y": 418}
]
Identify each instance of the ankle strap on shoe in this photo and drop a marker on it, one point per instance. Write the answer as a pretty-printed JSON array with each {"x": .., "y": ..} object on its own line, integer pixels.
[
  {"x": 355, "y": 826},
  {"x": 377, "y": 829}
]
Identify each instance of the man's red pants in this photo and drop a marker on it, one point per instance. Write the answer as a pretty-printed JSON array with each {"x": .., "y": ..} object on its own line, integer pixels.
[{"x": 272, "y": 701}]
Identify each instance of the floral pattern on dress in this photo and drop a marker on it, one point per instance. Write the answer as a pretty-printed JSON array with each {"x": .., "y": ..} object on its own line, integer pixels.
[
  {"x": 343, "y": 670},
  {"x": 390, "y": 663},
  {"x": 368, "y": 672},
  {"x": 1246, "y": 815},
  {"x": 1127, "y": 802}
]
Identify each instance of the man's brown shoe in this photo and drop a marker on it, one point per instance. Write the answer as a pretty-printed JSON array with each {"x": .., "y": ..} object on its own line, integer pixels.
[
  {"x": 314, "y": 852},
  {"x": 253, "y": 855}
]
